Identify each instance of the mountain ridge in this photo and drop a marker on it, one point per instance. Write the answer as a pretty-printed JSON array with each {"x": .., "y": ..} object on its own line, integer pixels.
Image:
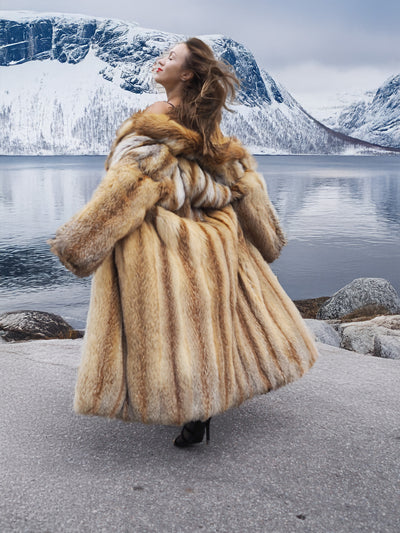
[
  {"x": 374, "y": 118},
  {"x": 67, "y": 74}
]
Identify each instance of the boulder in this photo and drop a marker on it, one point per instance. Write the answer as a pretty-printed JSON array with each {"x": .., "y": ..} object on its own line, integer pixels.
[
  {"x": 359, "y": 337},
  {"x": 378, "y": 336},
  {"x": 359, "y": 293},
  {"x": 323, "y": 332},
  {"x": 387, "y": 346},
  {"x": 29, "y": 325}
]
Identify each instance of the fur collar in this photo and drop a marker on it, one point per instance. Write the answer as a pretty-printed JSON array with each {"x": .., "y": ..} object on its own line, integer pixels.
[{"x": 182, "y": 141}]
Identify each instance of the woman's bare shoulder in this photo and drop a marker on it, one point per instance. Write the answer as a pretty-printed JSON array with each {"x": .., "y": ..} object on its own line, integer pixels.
[{"x": 159, "y": 108}]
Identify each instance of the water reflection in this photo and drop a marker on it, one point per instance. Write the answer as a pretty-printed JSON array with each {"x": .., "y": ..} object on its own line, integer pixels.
[
  {"x": 370, "y": 183},
  {"x": 38, "y": 194},
  {"x": 341, "y": 215},
  {"x": 342, "y": 218}
]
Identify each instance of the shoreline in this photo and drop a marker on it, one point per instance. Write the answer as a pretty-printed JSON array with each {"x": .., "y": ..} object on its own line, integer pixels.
[{"x": 363, "y": 316}]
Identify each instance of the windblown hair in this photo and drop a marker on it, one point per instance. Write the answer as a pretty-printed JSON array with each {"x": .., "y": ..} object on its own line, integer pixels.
[{"x": 205, "y": 94}]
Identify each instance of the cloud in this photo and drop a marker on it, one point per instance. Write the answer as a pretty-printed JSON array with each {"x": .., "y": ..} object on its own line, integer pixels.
[
  {"x": 340, "y": 32},
  {"x": 332, "y": 46},
  {"x": 318, "y": 86},
  {"x": 332, "y": 43}
]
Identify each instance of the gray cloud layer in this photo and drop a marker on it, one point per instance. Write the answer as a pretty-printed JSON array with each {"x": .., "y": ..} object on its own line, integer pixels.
[
  {"x": 337, "y": 32},
  {"x": 340, "y": 35}
]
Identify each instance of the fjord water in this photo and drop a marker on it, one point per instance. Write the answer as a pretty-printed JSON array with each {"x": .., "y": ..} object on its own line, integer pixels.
[{"x": 341, "y": 216}]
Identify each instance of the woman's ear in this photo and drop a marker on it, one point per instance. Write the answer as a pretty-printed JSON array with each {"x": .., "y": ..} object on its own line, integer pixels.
[{"x": 186, "y": 75}]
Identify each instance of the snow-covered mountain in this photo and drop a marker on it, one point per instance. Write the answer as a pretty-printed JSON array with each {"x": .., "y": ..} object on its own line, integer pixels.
[
  {"x": 68, "y": 81},
  {"x": 327, "y": 107},
  {"x": 375, "y": 117}
]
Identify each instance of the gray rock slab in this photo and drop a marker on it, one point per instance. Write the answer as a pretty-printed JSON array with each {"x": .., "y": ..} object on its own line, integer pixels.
[
  {"x": 391, "y": 322},
  {"x": 320, "y": 455},
  {"x": 387, "y": 346},
  {"x": 323, "y": 332},
  {"x": 359, "y": 336},
  {"x": 363, "y": 337},
  {"x": 359, "y": 293}
]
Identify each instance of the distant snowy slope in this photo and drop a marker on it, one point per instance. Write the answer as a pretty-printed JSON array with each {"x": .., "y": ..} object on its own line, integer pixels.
[
  {"x": 54, "y": 108},
  {"x": 68, "y": 81},
  {"x": 328, "y": 109},
  {"x": 375, "y": 117}
]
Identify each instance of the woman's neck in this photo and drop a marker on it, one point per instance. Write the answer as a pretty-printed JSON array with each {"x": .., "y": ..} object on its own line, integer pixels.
[{"x": 174, "y": 97}]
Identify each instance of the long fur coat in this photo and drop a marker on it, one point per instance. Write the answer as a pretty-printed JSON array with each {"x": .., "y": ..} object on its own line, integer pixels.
[{"x": 186, "y": 318}]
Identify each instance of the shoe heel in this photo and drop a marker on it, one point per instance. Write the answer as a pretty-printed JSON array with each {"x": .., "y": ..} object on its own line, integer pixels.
[{"x": 207, "y": 423}]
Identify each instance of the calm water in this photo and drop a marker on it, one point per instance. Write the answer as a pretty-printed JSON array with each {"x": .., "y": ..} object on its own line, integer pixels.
[{"x": 341, "y": 216}]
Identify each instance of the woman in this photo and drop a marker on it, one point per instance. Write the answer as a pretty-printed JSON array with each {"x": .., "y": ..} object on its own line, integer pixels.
[{"x": 186, "y": 318}]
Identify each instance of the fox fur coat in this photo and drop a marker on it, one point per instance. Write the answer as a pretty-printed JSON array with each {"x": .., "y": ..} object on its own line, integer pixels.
[{"x": 186, "y": 318}]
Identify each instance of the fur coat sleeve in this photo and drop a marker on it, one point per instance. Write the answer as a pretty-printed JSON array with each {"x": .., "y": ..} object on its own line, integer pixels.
[
  {"x": 117, "y": 208},
  {"x": 150, "y": 161},
  {"x": 258, "y": 218}
]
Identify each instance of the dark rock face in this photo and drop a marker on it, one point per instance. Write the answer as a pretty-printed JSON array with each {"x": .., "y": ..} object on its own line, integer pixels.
[
  {"x": 253, "y": 90},
  {"x": 390, "y": 89},
  {"x": 69, "y": 38},
  {"x": 29, "y": 325},
  {"x": 72, "y": 41},
  {"x": 25, "y": 41},
  {"x": 359, "y": 293},
  {"x": 276, "y": 93},
  {"x": 38, "y": 39}
]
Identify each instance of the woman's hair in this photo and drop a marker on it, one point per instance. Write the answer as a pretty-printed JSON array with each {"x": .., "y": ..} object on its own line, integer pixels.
[{"x": 205, "y": 94}]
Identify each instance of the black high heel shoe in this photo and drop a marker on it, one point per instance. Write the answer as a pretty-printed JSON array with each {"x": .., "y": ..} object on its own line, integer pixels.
[{"x": 193, "y": 433}]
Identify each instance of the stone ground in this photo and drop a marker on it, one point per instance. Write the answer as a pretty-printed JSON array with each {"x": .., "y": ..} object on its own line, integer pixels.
[{"x": 320, "y": 455}]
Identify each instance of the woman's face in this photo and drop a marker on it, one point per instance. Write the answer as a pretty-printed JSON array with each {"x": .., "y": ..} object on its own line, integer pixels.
[{"x": 170, "y": 70}]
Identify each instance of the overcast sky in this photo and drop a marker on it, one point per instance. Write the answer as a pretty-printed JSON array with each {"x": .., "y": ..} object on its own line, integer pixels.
[{"x": 315, "y": 48}]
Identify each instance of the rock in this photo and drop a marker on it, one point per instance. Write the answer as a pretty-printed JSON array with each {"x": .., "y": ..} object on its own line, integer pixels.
[
  {"x": 390, "y": 322},
  {"x": 373, "y": 337},
  {"x": 323, "y": 332},
  {"x": 358, "y": 337},
  {"x": 387, "y": 346},
  {"x": 29, "y": 325},
  {"x": 359, "y": 293}
]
